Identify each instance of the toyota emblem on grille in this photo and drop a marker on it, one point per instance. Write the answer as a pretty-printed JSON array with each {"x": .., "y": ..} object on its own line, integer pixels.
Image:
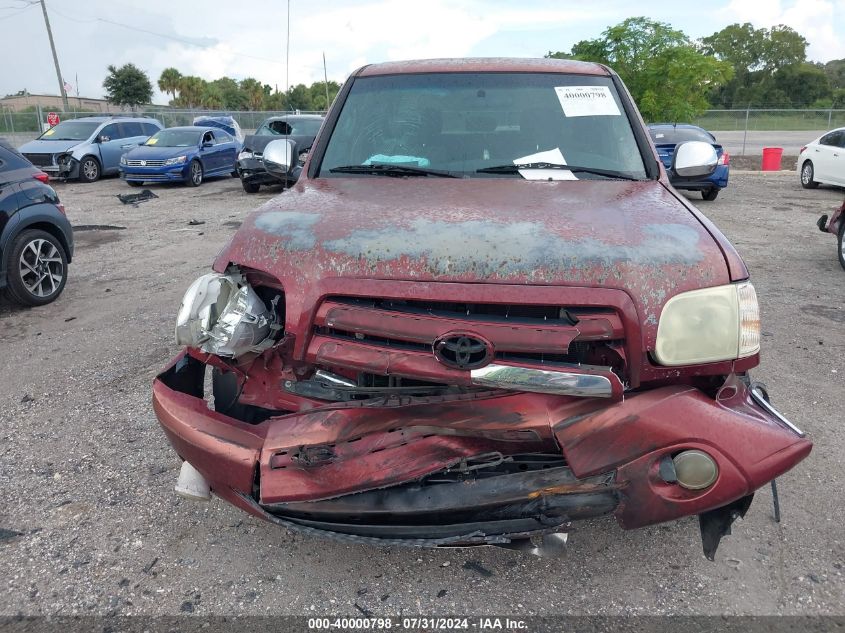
[
  {"x": 143, "y": 163},
  {"x": 461, "y": 350}
]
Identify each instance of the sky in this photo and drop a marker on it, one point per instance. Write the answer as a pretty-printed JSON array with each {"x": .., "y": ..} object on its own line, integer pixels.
[{"x": 211, "y": 40}]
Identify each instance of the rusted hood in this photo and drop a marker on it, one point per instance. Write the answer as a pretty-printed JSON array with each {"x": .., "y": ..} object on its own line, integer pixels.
[{"x": 634, "y": 236}]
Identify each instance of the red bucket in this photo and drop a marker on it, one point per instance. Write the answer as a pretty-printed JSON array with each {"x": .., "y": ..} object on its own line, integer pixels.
[{"x": 771, "y": 158}]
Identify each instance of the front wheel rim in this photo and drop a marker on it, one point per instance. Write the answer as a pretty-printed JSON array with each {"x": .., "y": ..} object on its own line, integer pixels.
[
  {"x": 89, "y": 168},
  {"x": 41, "y": 268},
  {"x": 196, "y": 173}
]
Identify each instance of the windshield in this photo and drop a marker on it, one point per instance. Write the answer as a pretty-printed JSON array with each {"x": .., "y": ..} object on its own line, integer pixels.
[
  {"x": 673, "y": 135},
  {"x": 464, "y": 122},
  {"x": 290, "y": 127},
  {"x": 70, "y": 131},
  {"x": 175, "y": 138}
]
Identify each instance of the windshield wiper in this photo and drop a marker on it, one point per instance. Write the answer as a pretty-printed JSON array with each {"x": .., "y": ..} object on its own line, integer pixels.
[
  {"x": 513, "y": 169},
  {"x": 385, "y": 169}
]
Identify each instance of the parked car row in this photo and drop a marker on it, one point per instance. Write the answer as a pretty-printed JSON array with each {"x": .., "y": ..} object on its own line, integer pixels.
[{"x": 141, "y": 150}]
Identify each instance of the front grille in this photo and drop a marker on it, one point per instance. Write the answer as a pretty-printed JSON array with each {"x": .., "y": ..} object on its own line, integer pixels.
[
  {"x": 519, "y": 334},
  {"x": 145, "y": 163},
  {"x": 148, "y": 176},
  {"x": 40, "y": 160}
]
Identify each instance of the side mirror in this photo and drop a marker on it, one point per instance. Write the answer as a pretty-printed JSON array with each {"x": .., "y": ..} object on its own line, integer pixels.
[
  {"x": 278, "y": 157},
  {"x": 102, "y": 138},
  {"x": 694, "y": 159}
]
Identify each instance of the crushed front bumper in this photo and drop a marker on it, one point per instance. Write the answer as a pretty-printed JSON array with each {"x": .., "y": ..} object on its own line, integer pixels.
[
  {"x": 252, "y": 170},
  {"x": 482, "y": 469}
]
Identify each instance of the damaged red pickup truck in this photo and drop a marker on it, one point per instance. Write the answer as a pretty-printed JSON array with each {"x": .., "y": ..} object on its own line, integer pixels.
[{"x": 481, "y": 314}]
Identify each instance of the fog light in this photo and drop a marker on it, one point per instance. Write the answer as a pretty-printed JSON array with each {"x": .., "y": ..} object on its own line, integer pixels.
[{"x": 695, "y": 469}]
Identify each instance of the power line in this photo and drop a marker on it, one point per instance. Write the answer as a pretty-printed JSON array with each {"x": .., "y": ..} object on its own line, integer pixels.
[
  {"x": 172, "y": 37},
  {"x": 17, "y": 11}
]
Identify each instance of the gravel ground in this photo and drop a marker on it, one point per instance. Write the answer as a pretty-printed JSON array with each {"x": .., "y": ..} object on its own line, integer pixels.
[{"x": 89, "y": 523}]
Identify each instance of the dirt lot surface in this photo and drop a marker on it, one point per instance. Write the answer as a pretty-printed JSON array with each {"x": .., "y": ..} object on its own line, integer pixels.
[{"x": 89, "y": 523}]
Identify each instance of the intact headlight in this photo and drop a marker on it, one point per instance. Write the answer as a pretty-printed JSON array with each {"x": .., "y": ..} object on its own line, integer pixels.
[
  {"x": 123, "y": 159},
  {"x": 245, "y": 154},
  {"x": 709, "y": 325},
  {"x": 176, "y": 160},
  {"x": 221, "y": 314}
]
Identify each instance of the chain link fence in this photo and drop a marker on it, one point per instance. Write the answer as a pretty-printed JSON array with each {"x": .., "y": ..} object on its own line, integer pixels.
[
  {"x": 20, "y": 127},
  {"x": 767, "y": 120}
]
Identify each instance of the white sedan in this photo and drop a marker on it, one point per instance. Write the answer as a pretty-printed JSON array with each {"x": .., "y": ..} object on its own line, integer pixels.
[{"x": 823, "y": 160}]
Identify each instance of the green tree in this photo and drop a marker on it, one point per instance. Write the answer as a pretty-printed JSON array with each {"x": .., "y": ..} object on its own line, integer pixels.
[
  {"x": 169, "y": 80},
  {"x": 299, "y": 98},
  {"x": 191, "y": 89},
  {"x": 212, "y": 97},
  {"x": 667, "y": 75},
  {"x": 835, "y": 71},
  {"x": 318, "y": 94},
  {"x": 804, "y": 84},
  {"x": 233, "y": 97},
  {"x": 253, "y": 90},
  {"x": 127, "y": 85},
  {"x": 756, "y": 56}
]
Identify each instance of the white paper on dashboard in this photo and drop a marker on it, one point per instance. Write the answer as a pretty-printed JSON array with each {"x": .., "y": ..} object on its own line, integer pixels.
[
  {"x": 587, "y": 101},
  {"x": 553, "y": 156}
]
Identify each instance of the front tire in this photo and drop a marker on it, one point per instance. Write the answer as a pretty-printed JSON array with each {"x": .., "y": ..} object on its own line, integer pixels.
[
  {"x": 89, "y": 169},
  {"x": 807, "y": 173},
  {"x": 250, "y": 187},
  {"x": 37, "y": 268},
  {"x": 194, "y": 177},
  {"x": 841, "y": 240},
  {"x": 710, "y": 194}
]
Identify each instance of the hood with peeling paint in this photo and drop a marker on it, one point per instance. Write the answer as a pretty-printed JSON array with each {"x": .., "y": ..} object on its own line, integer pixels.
[{"x": 635, "y": 236}]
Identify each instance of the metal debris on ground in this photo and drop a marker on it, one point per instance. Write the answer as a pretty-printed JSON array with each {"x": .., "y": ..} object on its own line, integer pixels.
[{"x": 136, "y": 198}]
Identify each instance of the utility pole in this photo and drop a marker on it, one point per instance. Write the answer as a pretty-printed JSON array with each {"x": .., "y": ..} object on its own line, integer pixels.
[
  {"x": 326, "y": 77},
  {"x": 287, "y": 58},
  {"x": 55, "y": 57}
]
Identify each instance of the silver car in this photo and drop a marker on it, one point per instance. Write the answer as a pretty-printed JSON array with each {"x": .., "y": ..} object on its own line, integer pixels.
[{"x": 88, "y": 148}]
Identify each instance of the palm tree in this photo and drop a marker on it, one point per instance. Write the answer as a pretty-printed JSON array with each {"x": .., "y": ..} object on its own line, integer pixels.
[
  {"x": 168, "y": 83},
  {"x": 254, "y": 92},
  {"x": 190, "y": 91}
]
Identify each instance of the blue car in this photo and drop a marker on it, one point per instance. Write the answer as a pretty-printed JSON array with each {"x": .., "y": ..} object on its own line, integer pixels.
[
  {"x": 667, "y": 135},
  {"x": 181, "y": 154}
]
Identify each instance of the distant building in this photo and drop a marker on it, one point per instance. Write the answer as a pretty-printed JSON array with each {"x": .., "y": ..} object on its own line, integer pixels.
[{"x": 16, "y": 103}]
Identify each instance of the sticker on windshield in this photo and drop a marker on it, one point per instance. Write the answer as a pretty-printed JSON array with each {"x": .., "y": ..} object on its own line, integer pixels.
[
  {"x": 587, "y": 101},
  {"x": 49, "y": 132},
  {"x": 151, "y": 141}
]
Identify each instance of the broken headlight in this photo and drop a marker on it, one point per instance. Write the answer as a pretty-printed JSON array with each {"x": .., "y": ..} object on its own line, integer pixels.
[
  {"x": 244, "y": 154},
  {"x": 709, "y": 325},
  {"x": 221, "y": 314}
]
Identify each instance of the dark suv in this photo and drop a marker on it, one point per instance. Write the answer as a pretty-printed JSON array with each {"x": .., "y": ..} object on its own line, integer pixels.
[{"x": 36, "y": 239}]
